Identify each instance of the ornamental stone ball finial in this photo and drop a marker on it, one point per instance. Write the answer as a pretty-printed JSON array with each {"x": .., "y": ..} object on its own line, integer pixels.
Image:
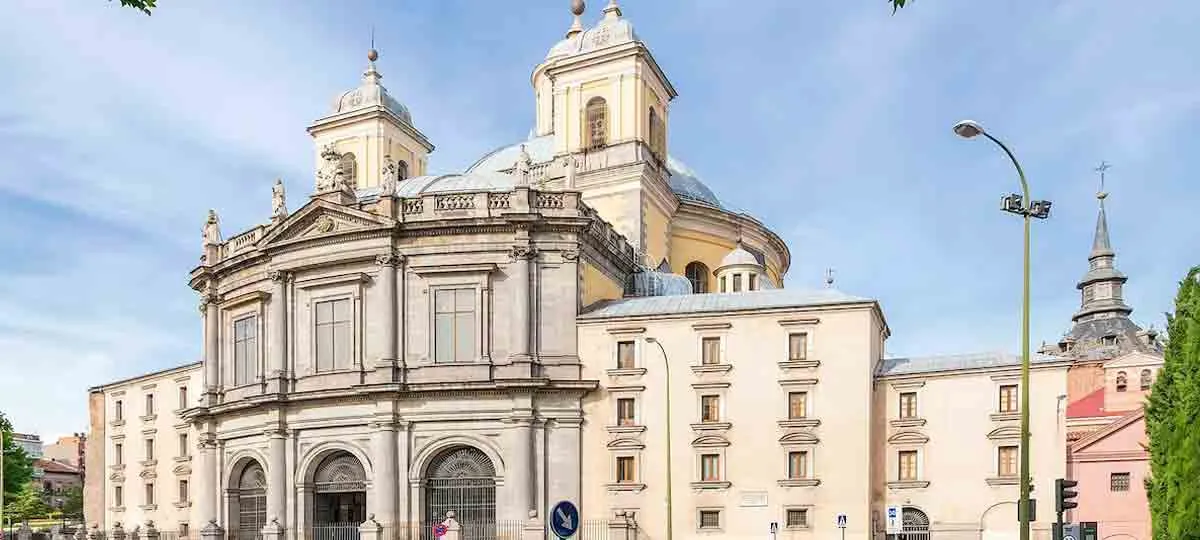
[
  {"x": 577, "y": 7},
  {"x": 372, "y": 55}
]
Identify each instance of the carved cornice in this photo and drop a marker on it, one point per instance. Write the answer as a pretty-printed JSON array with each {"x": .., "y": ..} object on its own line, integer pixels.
[
  {"x": 570, "y": 254},
  {"x": 280, "y": 276},
  {"x": 389, "y": 259}
]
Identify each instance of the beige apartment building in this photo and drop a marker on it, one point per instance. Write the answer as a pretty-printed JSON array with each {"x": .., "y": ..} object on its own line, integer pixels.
[{"x": 407, "y": 349}]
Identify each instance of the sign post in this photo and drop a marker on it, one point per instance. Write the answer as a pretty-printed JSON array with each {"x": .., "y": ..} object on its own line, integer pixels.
[
  {"x": 841, "y": 523},
  {"x": 774, "y": 529},
  {"x": 895, "y": 524},
  {"x": 564, "y": 520}
]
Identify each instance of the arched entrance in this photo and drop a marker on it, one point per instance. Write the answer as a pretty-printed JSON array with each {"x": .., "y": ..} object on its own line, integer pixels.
[
  {"x": 462, "y": 479},
  {"x": 914, "y": 524},
  {"x": 339, "y": 498},
  {"x": 251, "y": 500}
]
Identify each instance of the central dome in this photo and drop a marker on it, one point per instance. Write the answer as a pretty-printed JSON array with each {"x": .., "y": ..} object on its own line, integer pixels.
[{"x": 684, "y": 182}]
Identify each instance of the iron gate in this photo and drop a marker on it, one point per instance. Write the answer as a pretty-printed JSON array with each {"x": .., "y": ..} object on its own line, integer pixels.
[{"x": 462, "y": 480}]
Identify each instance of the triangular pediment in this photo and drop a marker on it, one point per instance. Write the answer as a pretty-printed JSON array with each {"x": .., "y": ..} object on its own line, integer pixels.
[
  {"x": 908, "y": 437},
  {"x": 1134, "y": 359},
  {"x": 799, "y": 437},
  {"x": 1126, "y": 434},
  {"x": 320, "y": 218}
]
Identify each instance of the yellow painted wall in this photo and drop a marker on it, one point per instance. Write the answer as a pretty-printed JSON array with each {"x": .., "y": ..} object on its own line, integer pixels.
[
  {"x": 656, "y": 225},
  {"x": 598, "y": 286},
  {"x": 688, "y": 246},
  {"x": 371, "y": 140}
]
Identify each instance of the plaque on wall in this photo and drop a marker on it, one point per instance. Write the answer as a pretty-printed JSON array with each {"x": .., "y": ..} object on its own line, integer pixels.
[{"x": 754, "y": 498}]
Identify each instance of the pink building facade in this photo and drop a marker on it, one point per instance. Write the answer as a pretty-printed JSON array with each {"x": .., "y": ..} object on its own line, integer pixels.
[{"x": 1111, "y": 465}]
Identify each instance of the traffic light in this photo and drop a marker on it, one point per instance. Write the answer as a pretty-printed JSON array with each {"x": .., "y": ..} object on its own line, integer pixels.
[{"x": 1064, "y": 495}]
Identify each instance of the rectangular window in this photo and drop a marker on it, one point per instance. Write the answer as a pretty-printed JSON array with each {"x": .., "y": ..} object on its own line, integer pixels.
[
  {"x": 119, "y": 410},
  {"x": 118, "y": 496},
  {"x": 150, "y": 493},
  {"x": 710, "y": 467},
  {"x": 625, "y": 412},
  {"x": 183, "y": 491},
  {"x": 908, "y": 405},
  {"x": 119, "y": 454},
  {"x": 334, "y": 335},
  {"x": 183, "y": 444},
  {"x": 149, "y": 449},
  {"x": 710, "y": 519},
  {"x": 710, "y": 351},
  {"x": 797, "y": 465},
  {"x": 454, "y": 325},
  {"x": 737, "y": 283},
  {"x": 723, "y": 288},
  {"x": 625, "y": 355},
  {"x": 797, "y": 347},
  {"x": 753, "y": 282},
  {"x": 1006, "y": 461},
  {"x": 1118, "y": 481},
  {"x": 625, "y": 470},
  {"x": 797, "y": 517},
  {"x": 245, "y": 350},
  {"x": 183, "y": 530},
  {"x": 149, "y": 404},
  {"x": 908, "y": 465},
  {"x": 710, "y": 408},
  {"x": 797, "y": 405},
  {"x": 183, "y": 400},
  {"x": 1008, "y": 398}
]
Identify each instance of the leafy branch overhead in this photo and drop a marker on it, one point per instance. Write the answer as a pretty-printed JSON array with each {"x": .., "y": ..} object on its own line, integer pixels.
[
  {"x": 146, "y": 5},
  {"x": 897, "y": 4}
]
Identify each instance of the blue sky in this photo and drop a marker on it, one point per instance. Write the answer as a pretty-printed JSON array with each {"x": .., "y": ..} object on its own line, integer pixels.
[{"x": 828, "y": 120}]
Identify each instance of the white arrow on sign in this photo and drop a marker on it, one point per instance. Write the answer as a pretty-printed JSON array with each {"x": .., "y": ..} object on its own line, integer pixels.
[{"x": 565, "y": 520}]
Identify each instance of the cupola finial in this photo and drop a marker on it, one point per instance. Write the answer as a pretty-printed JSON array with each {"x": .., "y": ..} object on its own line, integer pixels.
[
  {"x": 612, "y": 10},
  {"x": 577, "y": 7}
]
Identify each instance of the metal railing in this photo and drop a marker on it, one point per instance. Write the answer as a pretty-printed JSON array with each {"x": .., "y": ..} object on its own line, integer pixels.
[{"x": 332, "y": 531}]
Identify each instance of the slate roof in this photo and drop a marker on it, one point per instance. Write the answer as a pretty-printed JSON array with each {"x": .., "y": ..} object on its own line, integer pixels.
[
  {"x": 955, "y": 362},
  {"x": 718, "y": 302}
]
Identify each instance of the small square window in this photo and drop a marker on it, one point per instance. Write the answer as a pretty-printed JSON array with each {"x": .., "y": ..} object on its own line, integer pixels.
[
  {"x": 625, "y": 355},
  {"x": 710, "y": 468},
  {"x": 908, "y": 405},
  {"x": 797, "y": 346},
  {"x": 710, "y": 519},
  {"x": 625, "y": 412},
  {"x": 1118, "y": 481},
  {"x": 710, "y": 408},
  {"x": 797, "y": 405},
  {"x": 797, "y": 517},
  {"x": 710, "y": 351},
  {"x": 625, "y": 469}
]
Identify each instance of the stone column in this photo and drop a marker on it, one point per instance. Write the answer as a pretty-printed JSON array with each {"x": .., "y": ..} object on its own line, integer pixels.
[
  {"x": 521, "y": 256},
  {"x": 277, "y": 360},
  {"x": 277, "y": 482},
  {"x": 521, "y": 472},
  {"x": 212, "y": 346},
  {"x": 204, "y": 478},
  {"x": 384, "y": 482},
  {"x": 391, "y": 323}
]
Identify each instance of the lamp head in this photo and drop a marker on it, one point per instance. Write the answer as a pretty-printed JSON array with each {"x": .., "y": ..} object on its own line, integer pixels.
[
  {"x": 650, "y": 340},
  {"x": 968, "y": 129}
]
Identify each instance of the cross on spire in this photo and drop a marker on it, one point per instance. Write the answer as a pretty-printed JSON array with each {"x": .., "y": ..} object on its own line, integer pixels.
[{"x": 1104, "y": 166}]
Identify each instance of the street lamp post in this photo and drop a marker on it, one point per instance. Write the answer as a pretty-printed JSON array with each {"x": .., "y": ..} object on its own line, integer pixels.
[
  {"x": 667, "y": 367},
  {"x": 1023, "y": 206}
]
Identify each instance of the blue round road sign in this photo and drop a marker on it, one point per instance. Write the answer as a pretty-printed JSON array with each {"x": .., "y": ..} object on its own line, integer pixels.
[{"x": 564, "y": 519}]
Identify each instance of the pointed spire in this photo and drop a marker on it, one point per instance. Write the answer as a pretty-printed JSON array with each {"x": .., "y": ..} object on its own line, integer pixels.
[
  {"x": 612, "y": 10},
  {"x": 1101, "y": 245},
  {"x": 577, "y": 7}
]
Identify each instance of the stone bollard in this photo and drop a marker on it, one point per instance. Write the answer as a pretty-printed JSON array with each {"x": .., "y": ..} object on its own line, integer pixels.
[
  {"x": 134, "y": 534},
  {"x": 80, "y": 533},
  {"x": 117, "y": 532},
  {"x": 151, "y": 532},
  {"x": 95, "y": 533},
  {"x": 534, "y": 528},
  {"x": 272, "y": 530},
  {"x": 212, "y": 531},
  {"x": 24, "y": 532},
  {"x": 453, "y": 529},
  {"x": 620, "y": 527},
  {"x": 369, "y": 530}
]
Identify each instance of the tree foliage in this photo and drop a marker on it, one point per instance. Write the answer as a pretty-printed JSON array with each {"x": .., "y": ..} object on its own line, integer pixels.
[
  {"x": 18, "y": 468},
  {"x": 73, "y": 503},
  {"x": 145, "y": 6},
  {"x": 27, "y": 505},
  {"x": 896, "y": 4},
  {"x": 1172, "y": 415}
]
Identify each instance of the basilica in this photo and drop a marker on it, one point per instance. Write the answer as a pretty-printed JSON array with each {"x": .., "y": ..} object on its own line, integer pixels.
[{"x": 574, "y": 317}]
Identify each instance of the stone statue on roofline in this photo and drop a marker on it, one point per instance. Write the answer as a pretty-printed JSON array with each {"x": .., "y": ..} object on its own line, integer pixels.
[
  {"x": 524, "y": 162},
  {"x": 212, "y": 230},
  {"x": 278, "y": 201},
  {"x": 329, "y": 175}
]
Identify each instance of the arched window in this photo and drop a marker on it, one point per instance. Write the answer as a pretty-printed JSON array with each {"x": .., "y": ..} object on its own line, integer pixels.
[
  {"x": 1121, "y": 382},
  {"x": 462, "y": 479},
  {"x": 340, "y": 497},
  {"x": 596, "y": 126},
  {"x": 252, "y": 500},
  {"x": 402, "y": 170},
  {"x": 1146, "y": 380},
  {"x": 697, "y": 273},
  {"x": 914, "y": 524},
  {"x": 349, "y": 169}
]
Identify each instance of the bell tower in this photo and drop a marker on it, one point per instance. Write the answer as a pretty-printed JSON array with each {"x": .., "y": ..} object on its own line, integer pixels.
[
  {"x": 604, "y": 102},
  {"x": 365, "y": 131}
]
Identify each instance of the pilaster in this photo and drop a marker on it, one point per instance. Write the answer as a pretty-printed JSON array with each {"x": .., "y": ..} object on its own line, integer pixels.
[
  {"x": 276, "y": 372},
  {"x": 386, "y": 480},
  {"x": 521, "y": 468},
  {"x": 204, "y": 477},
  {"x": 212, "y": 345},
  {"x": 385, "y": 365},
  {"x": 277, "y": 483}
]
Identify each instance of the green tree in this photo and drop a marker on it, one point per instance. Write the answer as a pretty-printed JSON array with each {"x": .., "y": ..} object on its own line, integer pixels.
[
  {"x": 1172, "y": 413},
  {"x": 73, "y": 502},
  {"x": 146, "y": 5},
  {"x": 27, "y": 505},
  {"x": 896, "y": 4},
  {"x": 18, "y": 468}
]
